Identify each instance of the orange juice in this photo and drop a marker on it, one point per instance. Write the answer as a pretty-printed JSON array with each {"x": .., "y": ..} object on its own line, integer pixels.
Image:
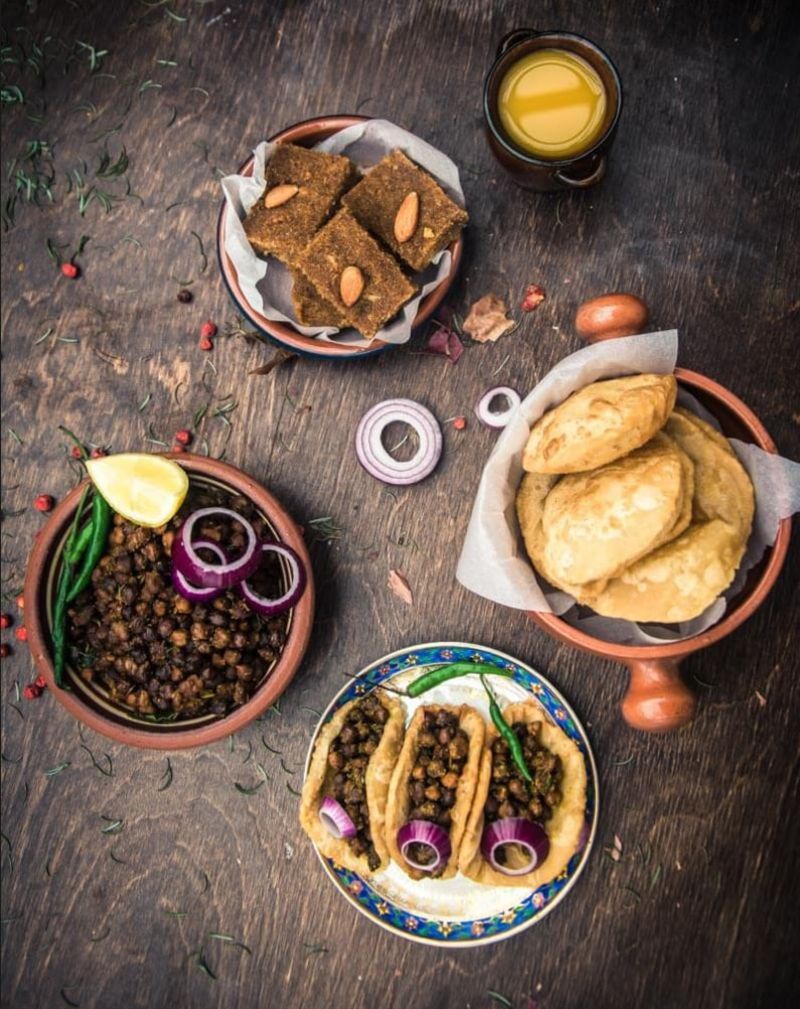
[{"x": 552, "y": 104}]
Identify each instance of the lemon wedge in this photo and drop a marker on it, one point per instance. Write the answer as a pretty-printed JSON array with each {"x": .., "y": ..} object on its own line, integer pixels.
[{"x": 145, "y": 489}]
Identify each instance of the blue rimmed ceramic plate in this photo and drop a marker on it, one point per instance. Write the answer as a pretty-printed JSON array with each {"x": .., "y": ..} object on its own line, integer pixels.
[{"x": 459, "y": 912}]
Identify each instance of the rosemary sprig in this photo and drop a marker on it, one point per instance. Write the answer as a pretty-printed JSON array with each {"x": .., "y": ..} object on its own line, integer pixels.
[
  {"x": 53, "y": 771},
  {"x": 251, "y": 790},
  {"x": 203, "y": 256},
  {"x": 324, "y": 529},
  {"x": 109, "y": 771},
  {"x": 95, "y": 56},
  {"x": 166, "y": 777},
  {"x": 497, "y": 997},
  {"x": 230, "y": 940},
  {"x": 201, "y": 961},
  {"x": 313, "y": 948}
]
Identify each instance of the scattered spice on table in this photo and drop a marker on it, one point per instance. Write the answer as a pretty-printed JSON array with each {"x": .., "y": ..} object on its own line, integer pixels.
[{"x": 534, "y": 296}]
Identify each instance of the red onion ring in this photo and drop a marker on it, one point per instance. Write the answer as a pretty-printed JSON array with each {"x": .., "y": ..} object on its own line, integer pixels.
[
  {"x": 525, "y": 834},
  {"x": 335, "y": 820},
  {"x": 297, "y": 583},
  {"x": 374, "y": 457},
  {"x": 432, "y": 835},
  {"x": 497, "y": 420},
  {"x": 197, "y": 593},
  {"x": 200, "y": 572}
]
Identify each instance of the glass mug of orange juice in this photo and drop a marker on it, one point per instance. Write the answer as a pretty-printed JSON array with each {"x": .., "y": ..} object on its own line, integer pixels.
[{"x": 552, "y": 101}]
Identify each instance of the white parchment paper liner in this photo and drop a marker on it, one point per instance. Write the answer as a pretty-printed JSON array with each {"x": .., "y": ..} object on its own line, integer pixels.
[
  {"x": 493, "y": 561},
  {"x": 267, "y": 284}
]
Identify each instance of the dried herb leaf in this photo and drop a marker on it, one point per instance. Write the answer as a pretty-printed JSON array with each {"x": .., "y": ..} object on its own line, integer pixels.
[
  {"x": 487, "y": 320},
  {"x": 399, "y": 585}
]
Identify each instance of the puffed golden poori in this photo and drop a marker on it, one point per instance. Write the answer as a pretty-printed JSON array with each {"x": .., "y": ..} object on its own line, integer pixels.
[
  {"x": 602, "y": 422},
  {"x": 677, "y": 581},
  {"x": 655, "y": 534},
  {"x": 595, "y": 524},
  {"x": 723, "y": 489}
]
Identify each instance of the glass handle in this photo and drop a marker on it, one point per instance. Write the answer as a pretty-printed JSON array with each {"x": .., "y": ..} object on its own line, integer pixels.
[
  {"x": 585, "y": 181},
  {"x": 511, "y": 39}
]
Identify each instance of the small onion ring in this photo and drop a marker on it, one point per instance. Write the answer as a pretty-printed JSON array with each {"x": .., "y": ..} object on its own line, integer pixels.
[
  {"x": 374, "y": 457},
  {"x": 198, "y": 593},
  {"x": 220, "y": 576},
  {"x": 526, "y": 834},
  {"x": 297, "y": 583},
  {"x": 432, "y": 835},
  {"x": 497, "y": 420},
  {"x": 335, "y": 820}
]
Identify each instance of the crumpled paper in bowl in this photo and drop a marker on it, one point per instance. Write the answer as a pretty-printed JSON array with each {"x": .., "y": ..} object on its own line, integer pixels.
[
  {"x": 267, "y": 283},
  {"x": 493, "y": 561}
]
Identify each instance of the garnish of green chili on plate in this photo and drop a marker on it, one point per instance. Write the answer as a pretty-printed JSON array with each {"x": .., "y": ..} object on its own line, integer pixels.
[
  {"x": 435, "y": 677},
  {"x": 508, "y": 734}
]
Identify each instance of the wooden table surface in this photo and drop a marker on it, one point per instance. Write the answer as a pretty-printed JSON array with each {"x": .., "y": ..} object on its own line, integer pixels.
[{"x": 699, "y": 213}]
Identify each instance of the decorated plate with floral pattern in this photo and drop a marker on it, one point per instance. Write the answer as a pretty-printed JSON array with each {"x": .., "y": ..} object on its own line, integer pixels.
[{"x": 459, "y": 912}]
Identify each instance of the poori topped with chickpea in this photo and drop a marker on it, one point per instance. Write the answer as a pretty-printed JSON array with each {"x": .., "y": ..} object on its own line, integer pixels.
[
  {"x": 432, "y": 789},
  {"x": 343, "y": 806},
  {"x": 523, "y": 830}
]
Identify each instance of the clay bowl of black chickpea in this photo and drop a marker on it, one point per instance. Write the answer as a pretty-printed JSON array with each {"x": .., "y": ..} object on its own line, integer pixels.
[{"x": 185, "y": 631}]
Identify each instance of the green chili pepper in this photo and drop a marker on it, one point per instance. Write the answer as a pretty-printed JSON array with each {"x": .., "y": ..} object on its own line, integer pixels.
[
  {"x": 505, "y": 730},
  {"x": 73, "y": 548},
  {"x": 443, "y": 673},
  {"x": 99, "y": 525},
  {"x": 75, "y": 551},
  {"x": 60, "y": 623}
]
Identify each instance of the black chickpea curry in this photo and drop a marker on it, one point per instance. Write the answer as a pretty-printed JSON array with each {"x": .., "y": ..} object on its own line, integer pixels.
[{"x": 450, "y": 793}]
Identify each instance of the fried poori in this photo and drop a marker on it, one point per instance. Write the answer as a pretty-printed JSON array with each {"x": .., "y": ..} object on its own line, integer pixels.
[{"x": 602, "y": 422}]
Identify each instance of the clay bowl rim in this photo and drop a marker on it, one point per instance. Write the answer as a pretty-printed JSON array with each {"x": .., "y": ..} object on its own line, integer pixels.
[
  {"x": 316, "y": 129},
  {"x": 743, "y": 609},
  {"x": 166, "y": 739}
]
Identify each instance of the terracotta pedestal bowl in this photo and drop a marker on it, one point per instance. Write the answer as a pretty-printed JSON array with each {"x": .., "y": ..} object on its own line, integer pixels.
[
  {"x": 657, "y": 699},
  {"x": 90, "y": 704}
]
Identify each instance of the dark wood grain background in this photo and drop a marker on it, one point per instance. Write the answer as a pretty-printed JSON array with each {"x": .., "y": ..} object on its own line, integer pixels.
[{"x": 699, "y": 214}]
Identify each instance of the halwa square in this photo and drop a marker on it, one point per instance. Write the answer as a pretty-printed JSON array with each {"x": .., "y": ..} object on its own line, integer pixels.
[
  {"x": 343, "y": 243},
  {"x": 376, "y": 199},
  {"x": 310, "y": 307},
  {"x": 285, "y": 230}
]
